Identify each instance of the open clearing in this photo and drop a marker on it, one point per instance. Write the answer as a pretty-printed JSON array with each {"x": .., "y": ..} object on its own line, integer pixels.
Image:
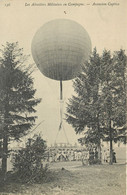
[{"x": 75, "y": 180}]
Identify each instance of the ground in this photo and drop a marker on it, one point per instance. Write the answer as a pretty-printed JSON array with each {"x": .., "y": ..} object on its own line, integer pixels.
[{"x": 71, "y": 178}]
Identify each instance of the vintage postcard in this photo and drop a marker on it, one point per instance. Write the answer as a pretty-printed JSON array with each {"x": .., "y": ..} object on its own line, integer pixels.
[{"x": 63, "y": 76}]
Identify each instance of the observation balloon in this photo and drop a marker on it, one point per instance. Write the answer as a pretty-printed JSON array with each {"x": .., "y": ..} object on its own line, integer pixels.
[{"x": 59, "y": 47}]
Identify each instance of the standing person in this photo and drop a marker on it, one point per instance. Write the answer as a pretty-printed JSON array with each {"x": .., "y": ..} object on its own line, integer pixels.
[
  {"x": 104, "y": 157},
  {"x": 90, "y": 160},
  {"x": 79, "y": 155},
  {"x": 72, "y": 155},
  {"x": 91, "y": 156},
  {"x": 87, "y": 157},
  {"x": 96, "y": 154},
  {"x": 114, "y": 156},
  {"x": 108, "y": 156}
]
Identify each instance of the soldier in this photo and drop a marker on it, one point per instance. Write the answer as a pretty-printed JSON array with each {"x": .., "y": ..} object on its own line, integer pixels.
[
  {"x": 108, "y": 155},
  {"x": 114, "y": 156}
]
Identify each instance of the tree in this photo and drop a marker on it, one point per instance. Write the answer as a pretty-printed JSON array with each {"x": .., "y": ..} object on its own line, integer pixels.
[
  {"x": 28, "y": 161},
  {"x": 99, "y": 108},
  {"x": 17, "y": 101},
  {"x": 114, "y": 97},
  {"x": 84, "y": 109}
]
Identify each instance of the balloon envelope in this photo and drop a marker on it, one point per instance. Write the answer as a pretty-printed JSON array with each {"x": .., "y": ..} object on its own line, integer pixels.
[{"x": 59, "y": 47}]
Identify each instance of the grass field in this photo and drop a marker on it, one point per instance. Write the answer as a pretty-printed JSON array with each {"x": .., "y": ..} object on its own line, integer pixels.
[{"x": 70, "y": 178}]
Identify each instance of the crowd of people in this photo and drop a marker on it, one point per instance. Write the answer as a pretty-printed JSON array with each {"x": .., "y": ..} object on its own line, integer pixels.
[
  {"x": 64, "y": 155},
  {"x": 86, "y": 156},
  {"x": 106, "y": 156}
]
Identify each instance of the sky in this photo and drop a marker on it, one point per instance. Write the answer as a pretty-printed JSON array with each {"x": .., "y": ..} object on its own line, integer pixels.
[{"x": 107, "y": 28}]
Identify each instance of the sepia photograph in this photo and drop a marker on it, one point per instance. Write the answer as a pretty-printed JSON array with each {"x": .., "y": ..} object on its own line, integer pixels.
[{"x": 63, "y": 83}]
